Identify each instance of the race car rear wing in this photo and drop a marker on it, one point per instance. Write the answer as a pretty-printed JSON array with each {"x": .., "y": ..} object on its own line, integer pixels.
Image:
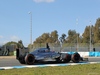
[{"x": 21, "y": 52}]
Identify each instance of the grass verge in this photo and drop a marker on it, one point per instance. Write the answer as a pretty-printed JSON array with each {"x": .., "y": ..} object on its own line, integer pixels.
[{"x": 86, "y": 69}]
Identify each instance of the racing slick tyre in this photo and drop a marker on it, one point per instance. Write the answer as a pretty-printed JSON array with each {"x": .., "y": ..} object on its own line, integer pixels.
[
  {"x": 30, "y": 59},
  {"x": 66, "y": 58},
  {"x": 75, "y": 57}
]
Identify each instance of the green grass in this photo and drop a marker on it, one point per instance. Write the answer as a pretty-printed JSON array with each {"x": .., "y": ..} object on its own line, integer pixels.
[{"x": 86, "y": 69}]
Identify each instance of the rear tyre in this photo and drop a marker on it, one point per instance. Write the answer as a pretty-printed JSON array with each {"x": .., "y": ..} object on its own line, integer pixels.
[
  {"x": 75, "y": 57},
  {"x": 30, "y": 59}
]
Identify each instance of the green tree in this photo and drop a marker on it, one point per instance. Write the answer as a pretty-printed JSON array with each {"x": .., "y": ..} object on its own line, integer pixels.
[
  {"x": 18, "y": 45},
  {"x": 72, "y": 36},
  {"x": 11, "y": 43},
  {"x": 62, "y": 38},
  {"x": 47, "y": 38},
  {"x": 97, "y": 31},
  {"x": 43, "y": 38},
  {"x": 54, "y": 36},
  {"x": 86, "y": 35}
]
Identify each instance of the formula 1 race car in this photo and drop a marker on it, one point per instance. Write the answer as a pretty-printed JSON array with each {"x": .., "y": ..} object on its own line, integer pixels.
[{"x": 46, "y": 55}]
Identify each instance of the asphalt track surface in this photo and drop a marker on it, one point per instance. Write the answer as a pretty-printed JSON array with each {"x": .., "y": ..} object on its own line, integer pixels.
[{"x": 6, "y": 61}]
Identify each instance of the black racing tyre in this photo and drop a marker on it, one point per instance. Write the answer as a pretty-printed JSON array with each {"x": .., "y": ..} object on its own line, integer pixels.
[
  {"x": 66, "y": 58},
  {"x": 75, "y": 57},
  {"x": 30, "y": 59}
]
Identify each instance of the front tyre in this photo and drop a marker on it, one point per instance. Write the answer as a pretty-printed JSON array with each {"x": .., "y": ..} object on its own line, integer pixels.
[{"x": 66, "y": 58}]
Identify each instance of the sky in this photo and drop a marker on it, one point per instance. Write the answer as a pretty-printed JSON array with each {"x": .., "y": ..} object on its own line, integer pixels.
[{"x": 47, "y": 16}]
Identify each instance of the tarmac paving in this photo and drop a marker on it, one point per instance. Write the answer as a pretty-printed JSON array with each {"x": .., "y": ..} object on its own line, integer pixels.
[{"x": 10, "y": 62}]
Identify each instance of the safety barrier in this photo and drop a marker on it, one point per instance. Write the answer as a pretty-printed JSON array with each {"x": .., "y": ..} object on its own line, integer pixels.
[
  {"x": 94, "y": 54},
  {"x": 82, "y": 54},
  {"x": 86, "y": 54}
]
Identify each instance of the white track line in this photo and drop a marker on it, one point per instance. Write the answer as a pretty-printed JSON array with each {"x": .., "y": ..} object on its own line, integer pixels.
[{"x": 46, "y": 65}]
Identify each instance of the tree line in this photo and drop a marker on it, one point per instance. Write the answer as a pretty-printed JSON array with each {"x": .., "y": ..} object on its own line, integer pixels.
[
  {"x": 91, "y": 31},
  {"x": 71, "y": 37}
]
